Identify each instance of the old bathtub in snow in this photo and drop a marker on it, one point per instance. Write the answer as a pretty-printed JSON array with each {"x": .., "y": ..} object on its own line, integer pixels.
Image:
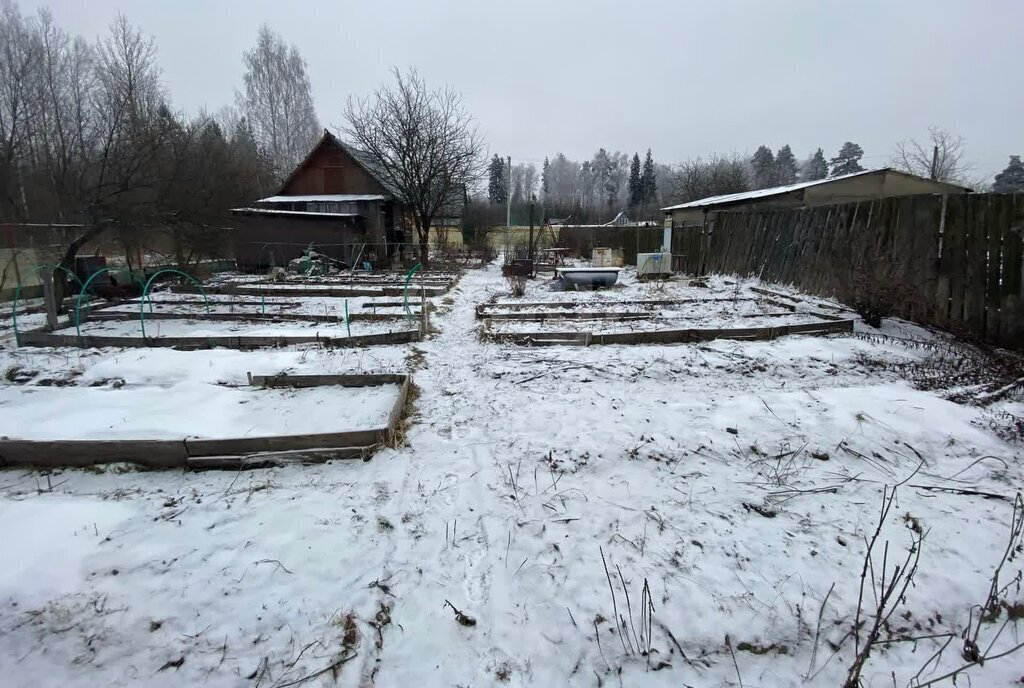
[{"x": 592, "y": 278}]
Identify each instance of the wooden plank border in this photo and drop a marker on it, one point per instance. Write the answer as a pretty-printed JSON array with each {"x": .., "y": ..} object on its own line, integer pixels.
[
  {"x": 675, "y": 336},
  {"x": 42, "y": 338},
  {"x": 122, "y": 316},
  {"x": 482, "y": 308},
  {"x": 230, "y": 453},
  {"x": 332, "y": 291}
]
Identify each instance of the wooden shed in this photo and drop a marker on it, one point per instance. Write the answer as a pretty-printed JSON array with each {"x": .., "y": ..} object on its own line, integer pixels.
[{"x": 335, "y": 201}]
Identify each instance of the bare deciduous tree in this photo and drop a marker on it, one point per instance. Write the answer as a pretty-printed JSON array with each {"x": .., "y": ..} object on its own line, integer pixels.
[
  {"x": 423, "y": 144},
  {"x": 562, "y": 190},
  {"x": 699, "y": 178},
  {"x": 941, "y": 158},
  {"x": 88, "y": 138},
  {"x": 19, "y": 56},
  {"x": 278, "y": 101},
  {"x": 524, "y": 182}
]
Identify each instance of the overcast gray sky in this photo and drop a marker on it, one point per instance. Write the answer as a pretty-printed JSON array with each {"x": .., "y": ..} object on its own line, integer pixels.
[{"x": 683, "y": 78}]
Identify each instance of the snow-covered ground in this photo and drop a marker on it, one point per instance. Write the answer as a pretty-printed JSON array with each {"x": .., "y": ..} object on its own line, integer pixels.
[{"x": 728, "y": 487}]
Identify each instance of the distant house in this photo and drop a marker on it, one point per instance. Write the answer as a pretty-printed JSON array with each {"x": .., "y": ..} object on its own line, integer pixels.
[
  {"x": 335, "y": 200},
  {"x": 858, "y": 186}
]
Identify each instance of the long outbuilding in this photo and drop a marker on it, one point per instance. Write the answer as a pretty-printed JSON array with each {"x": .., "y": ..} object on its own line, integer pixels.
[{"x": 858, "y": 186}]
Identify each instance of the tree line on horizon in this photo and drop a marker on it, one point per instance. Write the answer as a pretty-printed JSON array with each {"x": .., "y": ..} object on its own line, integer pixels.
[
  {"x": 90, "y": 135},
  {"x": 596, "y": 190}
]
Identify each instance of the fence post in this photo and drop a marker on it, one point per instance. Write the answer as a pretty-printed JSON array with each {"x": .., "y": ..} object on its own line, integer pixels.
[{"x": 49, "y": 300}]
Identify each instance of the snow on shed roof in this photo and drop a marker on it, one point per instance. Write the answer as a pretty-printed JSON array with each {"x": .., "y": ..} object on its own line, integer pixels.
[
  {"x": 764, "y": 193},
  {"x": 322, "y": 197},
  {"x": 298, "y": 213}
]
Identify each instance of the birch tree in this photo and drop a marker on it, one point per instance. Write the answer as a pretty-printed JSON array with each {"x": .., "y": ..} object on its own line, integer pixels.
[
  {"x": 278, "y": 101},
  {"x": 524, "y": 182}
]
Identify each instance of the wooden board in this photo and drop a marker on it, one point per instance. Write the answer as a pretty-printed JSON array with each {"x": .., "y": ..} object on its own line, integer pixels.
[
  {"x": 276, "y": 443},
  {"x": 305, "y": 381},
  {"x": 50, "y": 453},
  {"x": 41, "y": 338},
  {"x": 282, "y": 458},
  {"x": 684, "y": 336},
  {"x": 254, "y": 316}
]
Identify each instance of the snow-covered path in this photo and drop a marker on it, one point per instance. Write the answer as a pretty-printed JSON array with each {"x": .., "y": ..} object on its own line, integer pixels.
[{"x": 728, "y": 486}]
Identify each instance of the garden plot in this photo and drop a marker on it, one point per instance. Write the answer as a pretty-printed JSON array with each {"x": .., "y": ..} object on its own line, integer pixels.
[
  {"x": 186, "y": 327},
  {"x": 368, "y": 284},
  {"x": 316, "y": 289},
  {"x": 358, "y": 278},
  {"x": 723, "y": 318},
  {"x": 275, "y": 419},
  {"x": 630, "y": 314},
  {"x": 188, "y": 409},
  {"x": 221, "y": 306}
]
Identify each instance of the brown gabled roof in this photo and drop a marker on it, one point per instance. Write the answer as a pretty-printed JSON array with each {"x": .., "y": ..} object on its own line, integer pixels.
[{"x": 362, "y": 159}]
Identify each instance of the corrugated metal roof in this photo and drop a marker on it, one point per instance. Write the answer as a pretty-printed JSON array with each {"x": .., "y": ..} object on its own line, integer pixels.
[
  {"x": 764, "y": 193},
  {"x": 300, "y": 213},
  {"x": 312, "y": 198}
]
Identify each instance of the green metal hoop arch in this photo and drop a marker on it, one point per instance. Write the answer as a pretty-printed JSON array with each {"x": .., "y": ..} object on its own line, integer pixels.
[
  {"x": 405, "y": 290},
  {"x": 145, "y": 293},
  {"x": 78, "y": 301}
]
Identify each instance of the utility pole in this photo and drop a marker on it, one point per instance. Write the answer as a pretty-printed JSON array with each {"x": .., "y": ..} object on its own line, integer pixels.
[
  {"x": 508, "y": 195},
  {"x": 533, "y": 199},
  {"x": 935, "y": 163}
]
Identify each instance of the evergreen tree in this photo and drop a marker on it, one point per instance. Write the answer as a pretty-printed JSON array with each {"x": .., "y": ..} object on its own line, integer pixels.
[
  {"x": 497, "y": 185},
  {"x": 544, "y": 176},
  {"x": 785, "y": 166},
  {"x": 648, "y": 182},
  {"x": 1010, "y": 180},
  {"x": 815, "y": 168},
  {"x": 635, "y": 192},
  {"x": 848, "y": 160},
  {"x": 763, "y": 164}
]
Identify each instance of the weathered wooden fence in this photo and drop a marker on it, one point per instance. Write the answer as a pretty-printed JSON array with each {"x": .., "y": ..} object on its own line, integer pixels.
[
  {"x": 632, "y": 240},
  {"x": 952, "y": 261},
  {"x": 687, "y": 243}
]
